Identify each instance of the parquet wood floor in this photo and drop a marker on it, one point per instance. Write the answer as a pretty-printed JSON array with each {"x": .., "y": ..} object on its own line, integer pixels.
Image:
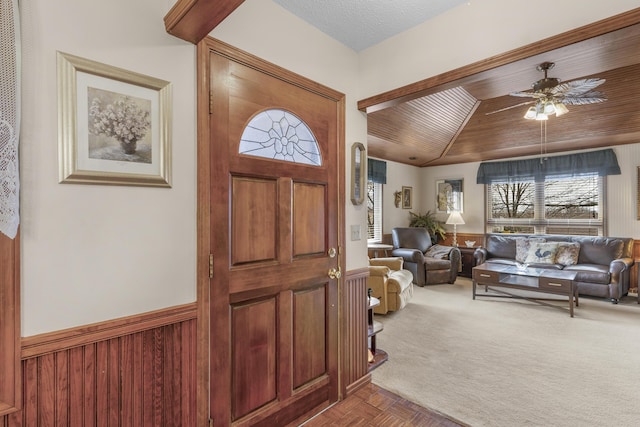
[{"x": 374, "y": 406}]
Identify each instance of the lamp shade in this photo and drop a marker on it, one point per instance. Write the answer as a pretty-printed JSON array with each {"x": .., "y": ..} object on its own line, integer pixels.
[{"x": 455, "y": 218}]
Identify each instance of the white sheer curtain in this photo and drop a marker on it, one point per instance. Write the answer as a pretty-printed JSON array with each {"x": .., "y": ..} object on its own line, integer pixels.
[{"x": 9, "y": 116}]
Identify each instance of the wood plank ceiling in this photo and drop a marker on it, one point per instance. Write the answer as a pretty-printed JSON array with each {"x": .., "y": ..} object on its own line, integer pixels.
[{"x": 438, "y": 122}]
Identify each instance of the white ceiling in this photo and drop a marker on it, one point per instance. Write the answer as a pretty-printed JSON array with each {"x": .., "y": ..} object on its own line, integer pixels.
[{"x": 360, "y": 24}]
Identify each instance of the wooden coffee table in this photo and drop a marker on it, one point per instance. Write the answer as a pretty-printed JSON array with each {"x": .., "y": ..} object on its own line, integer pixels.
[{"x": 542, "y": 280}]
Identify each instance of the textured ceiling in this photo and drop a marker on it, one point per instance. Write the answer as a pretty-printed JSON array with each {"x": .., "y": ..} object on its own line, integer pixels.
[{"x": 360, "y": 24}]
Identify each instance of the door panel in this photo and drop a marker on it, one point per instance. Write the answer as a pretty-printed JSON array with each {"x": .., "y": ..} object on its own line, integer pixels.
[
  {"x": 254, "y": 355},
  {"x": 254, "y": 219},
  {"x": 309, "y": 332},
  {"x": 309, "y": 225},
  {"x": 274, "y": 316}
]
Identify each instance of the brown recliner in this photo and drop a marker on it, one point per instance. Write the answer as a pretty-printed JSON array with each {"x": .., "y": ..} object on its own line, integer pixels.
[{"x": 430, "y": 264}]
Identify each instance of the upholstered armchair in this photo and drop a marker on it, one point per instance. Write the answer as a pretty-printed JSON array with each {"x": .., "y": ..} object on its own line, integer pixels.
[
  {"x": 430, "y": 264},
  {"x": 390, "y": 283}
]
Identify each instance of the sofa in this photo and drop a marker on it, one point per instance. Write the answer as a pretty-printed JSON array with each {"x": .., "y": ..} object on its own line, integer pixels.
[
  {"x": 602, "y": 264},
  {"x": 390, "y": 283},
  {"x": 428, "y": 263}
]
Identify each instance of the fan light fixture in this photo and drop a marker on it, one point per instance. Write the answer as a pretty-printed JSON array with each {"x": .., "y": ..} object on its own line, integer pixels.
[
  {"x": 552, "y": 97},
  {"x": 544, "y": 108}
]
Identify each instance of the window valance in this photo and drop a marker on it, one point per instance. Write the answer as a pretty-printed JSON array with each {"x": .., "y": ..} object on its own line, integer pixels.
[
  {"x": 377, "y": 171},
  {"x": 602, "y": 163}
]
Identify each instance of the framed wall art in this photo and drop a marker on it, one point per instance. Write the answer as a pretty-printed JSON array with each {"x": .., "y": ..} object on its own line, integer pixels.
[
  {"x": 114, "y": 125},
  {"x": 449, "y": 195},
  {"x": 407, "y": 197}
]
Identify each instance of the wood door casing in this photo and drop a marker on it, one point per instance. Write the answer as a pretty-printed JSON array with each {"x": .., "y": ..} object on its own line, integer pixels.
[{"x": 273, "y": 308}]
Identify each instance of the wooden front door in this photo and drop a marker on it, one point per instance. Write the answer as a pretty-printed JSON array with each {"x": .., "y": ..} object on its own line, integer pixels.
[{"x": 274, "y": 241}]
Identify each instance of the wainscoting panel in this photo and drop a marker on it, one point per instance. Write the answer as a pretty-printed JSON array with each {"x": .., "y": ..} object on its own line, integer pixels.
[
  {"x": 142, "y": 378},
  {"x": 354, "y": 331}
]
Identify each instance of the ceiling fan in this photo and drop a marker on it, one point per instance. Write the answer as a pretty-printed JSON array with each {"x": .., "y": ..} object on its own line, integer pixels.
[{"x": 552, "y": 97}]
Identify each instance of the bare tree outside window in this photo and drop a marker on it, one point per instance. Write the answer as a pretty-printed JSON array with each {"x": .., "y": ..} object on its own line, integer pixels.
[
  {"x": 513, "y": 200},
  {"x": 374, "y": 211},
  {"x": 558, "y": 206},
  {"x": 579, "y": 200}
]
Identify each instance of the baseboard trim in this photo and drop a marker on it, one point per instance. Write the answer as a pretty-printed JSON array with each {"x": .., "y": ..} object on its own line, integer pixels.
[{"x": 357, "y": 385}]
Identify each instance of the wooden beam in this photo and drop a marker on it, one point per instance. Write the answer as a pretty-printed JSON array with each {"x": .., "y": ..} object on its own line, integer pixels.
[{"x": 192, "y": 20}]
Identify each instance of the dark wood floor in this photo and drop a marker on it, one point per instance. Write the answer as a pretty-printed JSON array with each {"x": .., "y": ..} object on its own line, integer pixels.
[{"x": 374, "y": 406}]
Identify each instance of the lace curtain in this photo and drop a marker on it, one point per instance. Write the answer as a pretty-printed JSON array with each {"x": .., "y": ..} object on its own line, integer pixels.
[{"x": 9, "y": 116}]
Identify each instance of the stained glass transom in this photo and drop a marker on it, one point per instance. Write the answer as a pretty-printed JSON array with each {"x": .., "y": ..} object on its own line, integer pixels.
[{"x": 280, "y": 135}]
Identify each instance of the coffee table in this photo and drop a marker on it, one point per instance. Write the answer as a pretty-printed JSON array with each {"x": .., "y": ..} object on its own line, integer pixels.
[{"x": 542, "y": 280}]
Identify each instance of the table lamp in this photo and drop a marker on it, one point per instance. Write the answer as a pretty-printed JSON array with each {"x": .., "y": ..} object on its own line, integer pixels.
[{"x": 455, "y": 218}]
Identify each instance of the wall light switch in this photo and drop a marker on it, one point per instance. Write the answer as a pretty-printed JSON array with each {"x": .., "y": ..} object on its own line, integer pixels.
[{"x": 355, "y": 232}]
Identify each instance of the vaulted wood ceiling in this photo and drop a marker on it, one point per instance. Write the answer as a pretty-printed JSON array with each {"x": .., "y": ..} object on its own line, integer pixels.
[{"x": 442, "y": 120}]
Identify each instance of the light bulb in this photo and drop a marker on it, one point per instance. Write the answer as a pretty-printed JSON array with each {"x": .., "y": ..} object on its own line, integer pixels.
[
  {"x": 530, "y": 114},
  {"x": 549, "y": 108}
]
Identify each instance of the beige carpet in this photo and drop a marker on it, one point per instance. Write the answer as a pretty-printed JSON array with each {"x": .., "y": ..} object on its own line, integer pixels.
[{"x": 503, "y": 362}]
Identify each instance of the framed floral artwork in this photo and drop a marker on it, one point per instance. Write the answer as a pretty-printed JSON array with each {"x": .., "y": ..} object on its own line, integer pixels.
[{"x": 114, "y": 125}]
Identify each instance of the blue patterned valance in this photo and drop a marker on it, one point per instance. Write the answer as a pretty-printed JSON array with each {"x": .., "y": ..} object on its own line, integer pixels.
[
  {"x": 602, "y": 163},
  {"x": 377, "y": 171}
]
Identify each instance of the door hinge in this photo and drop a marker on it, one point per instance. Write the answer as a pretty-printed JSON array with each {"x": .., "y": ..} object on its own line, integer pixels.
[
  {"x": 210, "y": 266},
  {"x": 210, "y": 422},
  {"x": 210, "y": 102}
]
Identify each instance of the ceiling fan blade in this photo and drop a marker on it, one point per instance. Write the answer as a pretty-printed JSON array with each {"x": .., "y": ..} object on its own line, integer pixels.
[
  {"x": 576, "y": 87},
  {"x": 588, "y": 98},
  {"x": 527, "y": 94},
  {"x": 510, "y": 107}
]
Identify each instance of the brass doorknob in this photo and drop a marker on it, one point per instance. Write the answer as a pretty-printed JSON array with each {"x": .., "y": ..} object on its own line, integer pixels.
[{"x": 335, "y": 274}]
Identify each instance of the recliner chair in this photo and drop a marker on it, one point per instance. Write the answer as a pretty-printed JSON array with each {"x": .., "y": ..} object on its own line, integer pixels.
[
  {"x": 390, "y": 283},
  {"x": 430, "y": 264}
]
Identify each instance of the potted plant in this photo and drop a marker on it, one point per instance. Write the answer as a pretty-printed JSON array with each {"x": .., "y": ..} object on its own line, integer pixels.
[{"x": 428, "y": 220}]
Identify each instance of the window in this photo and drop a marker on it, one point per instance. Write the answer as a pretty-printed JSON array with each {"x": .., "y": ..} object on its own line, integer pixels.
[
  {"x": 573, "y": 205},
  {"x": 374, "y": 211},
  {"x": 376, "y": 177},
  {"x": 281, "y": 135}
]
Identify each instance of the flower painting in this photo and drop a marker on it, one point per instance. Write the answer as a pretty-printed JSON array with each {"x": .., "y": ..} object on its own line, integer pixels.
[
  {"x": 119, "y": 126},
  {"x": 114, "y": 125}
]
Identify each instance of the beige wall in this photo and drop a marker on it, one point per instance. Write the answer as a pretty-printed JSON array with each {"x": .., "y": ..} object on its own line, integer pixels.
[{"x": 93, "y": 253}]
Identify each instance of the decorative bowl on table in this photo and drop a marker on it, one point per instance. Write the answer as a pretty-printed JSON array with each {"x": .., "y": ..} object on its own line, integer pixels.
[
  {"x": 522, "y": 266},
  {"x": 470, "y": 243}
]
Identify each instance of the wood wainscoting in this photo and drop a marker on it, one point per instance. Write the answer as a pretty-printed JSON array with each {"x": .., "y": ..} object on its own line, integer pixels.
[
  {"x": 135, "y": 371},
  {"x": 354, "y": 363},
  {"x": 141, "y": 370}
]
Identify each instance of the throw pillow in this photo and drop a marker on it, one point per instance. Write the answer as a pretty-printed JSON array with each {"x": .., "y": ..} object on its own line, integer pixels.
[
  {"x": 542, "y": 252},
  {"x": 522, "y": 246},
  {"x": 568, "y": 253}
]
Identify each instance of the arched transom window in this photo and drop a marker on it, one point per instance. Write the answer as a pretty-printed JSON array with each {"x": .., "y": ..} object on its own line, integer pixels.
[{"x": 280, "y": 135}]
